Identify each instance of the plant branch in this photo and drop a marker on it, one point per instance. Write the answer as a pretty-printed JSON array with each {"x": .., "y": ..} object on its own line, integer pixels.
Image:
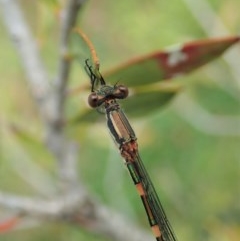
[
  {"x": 28, "y": 52},
  {"x": 65, "y": 151},
  {"x": 91, "y": 215},
  {"x": 69, "y": 18}
]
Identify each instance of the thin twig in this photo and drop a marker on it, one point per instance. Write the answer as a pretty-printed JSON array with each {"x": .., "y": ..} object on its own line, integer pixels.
[
  {"x": 65, "y": 151},
  {"x": 93, "y": 216},
  {"x": 90, "y": 45},
  {"x": 69, "y": 17},
  {"x": 43, "y": 209}
]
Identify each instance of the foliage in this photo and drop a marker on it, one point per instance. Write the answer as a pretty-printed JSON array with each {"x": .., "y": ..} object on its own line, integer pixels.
[{"x": 195, "y": 167}]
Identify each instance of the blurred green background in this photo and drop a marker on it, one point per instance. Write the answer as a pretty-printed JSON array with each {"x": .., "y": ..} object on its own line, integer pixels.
[{"x": 195, "y": 169}]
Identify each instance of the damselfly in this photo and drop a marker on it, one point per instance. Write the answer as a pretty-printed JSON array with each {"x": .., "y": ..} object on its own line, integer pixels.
[{"x": 105, "y": 96}]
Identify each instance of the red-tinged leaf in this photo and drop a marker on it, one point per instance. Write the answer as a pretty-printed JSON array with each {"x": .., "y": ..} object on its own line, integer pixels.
[
  {"x": 9, "y": 224},
  {"x": 170, "y": 63}
]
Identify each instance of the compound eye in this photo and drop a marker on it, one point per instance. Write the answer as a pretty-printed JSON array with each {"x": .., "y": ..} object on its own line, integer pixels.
[
  {"x": 93, "y": 100},
  {"x": 123, "y": 91}
]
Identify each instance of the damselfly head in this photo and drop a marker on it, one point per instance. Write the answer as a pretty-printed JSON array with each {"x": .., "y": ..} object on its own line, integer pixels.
[
  {"x": 103, "y": 92},
  {"x": 107, "y": 92}
]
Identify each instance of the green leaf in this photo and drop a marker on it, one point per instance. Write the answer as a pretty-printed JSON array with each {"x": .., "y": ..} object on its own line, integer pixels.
[{"x": 164, "y": 65}]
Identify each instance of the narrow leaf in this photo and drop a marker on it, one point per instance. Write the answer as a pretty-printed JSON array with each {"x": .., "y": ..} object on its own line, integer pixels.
[{"x": 171, "y": 63}]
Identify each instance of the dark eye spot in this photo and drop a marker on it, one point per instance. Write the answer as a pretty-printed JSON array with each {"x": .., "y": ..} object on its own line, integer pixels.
[
  {"x": 93, "y": 100},
  {"x": 123, "y": 92}
]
